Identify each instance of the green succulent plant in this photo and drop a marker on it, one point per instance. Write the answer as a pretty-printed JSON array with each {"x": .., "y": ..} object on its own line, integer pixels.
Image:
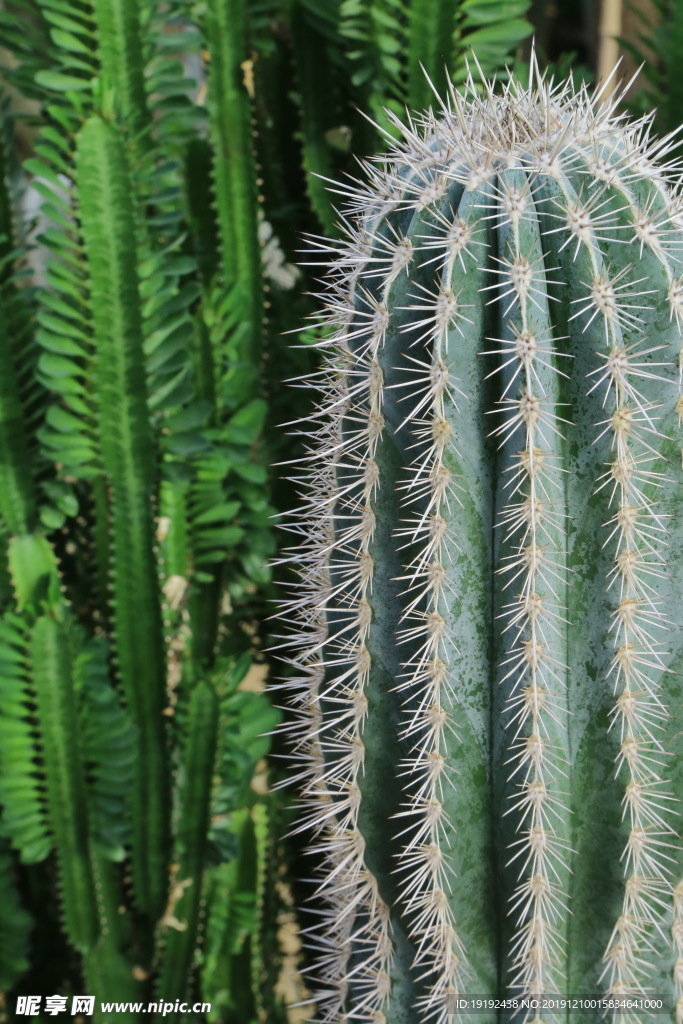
[
  {"x": 486, "y": 625},
  {"x": 131, "y": 473},
  {"x": 142, "y": 301}
]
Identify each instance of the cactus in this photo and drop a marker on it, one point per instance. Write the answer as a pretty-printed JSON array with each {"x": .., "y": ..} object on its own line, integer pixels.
[{"x": 487, "y": 701}]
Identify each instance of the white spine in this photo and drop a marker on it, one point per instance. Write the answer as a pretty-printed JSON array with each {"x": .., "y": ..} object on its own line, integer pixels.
[
  {"x": 636, "y": 532},
  {"x": 426, "y": 878}
]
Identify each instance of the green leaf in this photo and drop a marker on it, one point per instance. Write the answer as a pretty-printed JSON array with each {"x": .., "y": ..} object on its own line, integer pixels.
[
  {"x": 57, "y": 81},
  {"x": 506, "y": 35},
  {"x": 488, "y": 11},
  {"x": 61, "y": 494},
  {"x": 70, "y": 42},
  {"x": 431, "y": 29},
  {"x": 51, "y": 518},
  {"x": 252, "y": 472},
  {"x": 218, "y": 514},
  {"x": 34, "y": 572},
  {"x": 187, "y": 444},
  {"x": 43, "y": 169},
  {"x": 248, "y": 422},
  {"x": 53, "y": 365},
  {"x": 189, "y": 419},
  {"x": 60, "y": 19}
]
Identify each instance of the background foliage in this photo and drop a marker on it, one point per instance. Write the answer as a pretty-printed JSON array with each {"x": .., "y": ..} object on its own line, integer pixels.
[{"x": 159, "y": 167}]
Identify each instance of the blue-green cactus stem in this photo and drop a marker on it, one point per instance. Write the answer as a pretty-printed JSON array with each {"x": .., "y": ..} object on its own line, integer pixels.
[{"x": 488, "y": 725}]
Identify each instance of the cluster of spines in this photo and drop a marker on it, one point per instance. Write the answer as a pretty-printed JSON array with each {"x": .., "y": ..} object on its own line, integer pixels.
[
  {"x": 333, "y": 752},
  {"x": 534, "y": 131},
  {"x": 534, "y": 524},
  {"x": 637, "y": 533},
  {"x": 430, "y": 683}
]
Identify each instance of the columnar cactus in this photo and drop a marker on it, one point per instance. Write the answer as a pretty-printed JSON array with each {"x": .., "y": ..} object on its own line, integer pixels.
[{"x": 487, "y": 639}]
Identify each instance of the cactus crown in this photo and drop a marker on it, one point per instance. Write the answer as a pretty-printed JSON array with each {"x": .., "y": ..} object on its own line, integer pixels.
[{"x": 488, "y": 546}]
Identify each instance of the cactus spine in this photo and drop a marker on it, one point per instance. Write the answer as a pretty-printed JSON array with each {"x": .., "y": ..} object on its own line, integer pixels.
[{"x": 486, "y": 690}]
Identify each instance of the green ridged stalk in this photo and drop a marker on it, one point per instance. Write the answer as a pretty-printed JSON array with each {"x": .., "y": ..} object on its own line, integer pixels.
[
  {"x": 315, "y": 81},
  {"x": 129, "y": 464},
  {"x": 198, "y": 769},
  {"x": 430, "y": 38},
  {"x": 134, "y": 529},
  {"x": 488, "y": 703},
  {"x": 122, "y": 58},
  {"x": 234, "y": 172},
  {"x": 52, "y": 656}
]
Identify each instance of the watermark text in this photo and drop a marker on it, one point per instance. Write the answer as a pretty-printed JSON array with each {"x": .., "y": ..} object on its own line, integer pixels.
[{"x": 33, "y": 1006}]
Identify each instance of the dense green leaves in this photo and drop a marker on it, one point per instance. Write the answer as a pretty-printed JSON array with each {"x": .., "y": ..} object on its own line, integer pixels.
[
  {"x": 149, "y": 354},
  {"x": 16, "y": 924},
  {"x": 109, "y": 744},
  {"x": 24, "y": 815},
  {"x": 656, "y": 43},
  {"x": 177, "y": 153},
  {"x": 17, "y": 488},
  {"x": 489, "y": 30}
]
